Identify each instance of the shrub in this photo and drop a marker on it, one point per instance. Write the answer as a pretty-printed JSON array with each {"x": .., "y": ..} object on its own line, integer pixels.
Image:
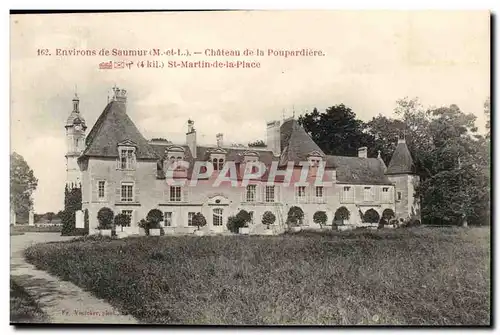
[
  {"x": 320, "y": 218},
  {"x": 371, "y": 216},
  {"x": 199, "y": 220},
  {"x": 268, "y": 218},
  {"x": 340, "y": 215},
  {"x": 295, "y": 216},
  {"x": 122, "y": 220},
  {"x": 244, "y": 217},
  {"x": 154, "y": 217},
  {"x": 234, "y": 224},
  {"x": 388, "y": 214},
  {"x": 105, "y": 218}
]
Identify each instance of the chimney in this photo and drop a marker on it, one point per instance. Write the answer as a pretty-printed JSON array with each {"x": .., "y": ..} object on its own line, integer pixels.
[
  {"x": 273, "y": 137},
  {"x": 191, "y": 138},
  {"x": 363, "y": 152},
  {"x": 119, "y": 95},
  {"x": 219, "y": 137}
]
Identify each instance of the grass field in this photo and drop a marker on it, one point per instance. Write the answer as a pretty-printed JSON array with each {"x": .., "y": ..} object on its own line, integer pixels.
[
  {"x": 14, "y": 230},
  {"x": 415, "y": 276},
  {"x": 23, "y": 309}
]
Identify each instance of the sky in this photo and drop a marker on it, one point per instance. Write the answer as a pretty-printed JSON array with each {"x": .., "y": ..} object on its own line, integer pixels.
[{"x": 371, "y": 59}]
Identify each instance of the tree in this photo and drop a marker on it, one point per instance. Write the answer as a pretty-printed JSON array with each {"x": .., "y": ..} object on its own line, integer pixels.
[
  {"x": 385, "y": 132},
  {"x": 487, "y": 113},
  {"x": 371, "y": 216},
  {"x": 295, "y": 216},
  {"x": 50, "y": 216},
  {"x": 86, "y": 220},
  {"x": 244, "y": 217},
  {"x": 388, "y": 214},
  {"x": 320, "y": 218},
  {"x": 336, "y": 131},
  {"x": 22, "y": 184},
  {"x": 199, "y": 220},
  {"x": 268, "y": 218},
  {"x": 154, "y": 217},
  {"x": 105, "y": 217},
  {"x": 122, "y": 220},
  {"x": 342, "y": 214},
  {"x": 72, "y": 203},
  {"x": 257, "y": 144}
]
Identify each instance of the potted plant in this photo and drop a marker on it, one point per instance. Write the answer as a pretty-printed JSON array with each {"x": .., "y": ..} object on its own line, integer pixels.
[
  {"x": 268, "y": 218},
  {"x": 295, "y": 218},
  {"x": 199, "y": 221},
  {"x": 320, "y": 218},
  {"x": 105, "y": 218},
  {"x": 243, "y": 218},
  {"x": 154, "y": 217},
  {"x": 122, "y": 220}
]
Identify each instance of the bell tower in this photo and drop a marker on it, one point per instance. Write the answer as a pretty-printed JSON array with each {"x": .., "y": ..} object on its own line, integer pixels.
[{"x": 75, "y": 143}]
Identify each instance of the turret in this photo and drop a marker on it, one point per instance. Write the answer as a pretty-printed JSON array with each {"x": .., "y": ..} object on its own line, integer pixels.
[{"x": 75, "y": 143}]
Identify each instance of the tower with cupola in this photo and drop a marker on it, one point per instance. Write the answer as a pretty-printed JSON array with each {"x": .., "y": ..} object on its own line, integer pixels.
[{"x": 75, "y": 143}]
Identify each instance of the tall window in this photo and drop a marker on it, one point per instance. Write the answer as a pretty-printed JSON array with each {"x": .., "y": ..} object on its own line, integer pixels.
[
  {"x": 318, "y": 191},
  {"x": 217, "y": 217},
  {"x": 167, "y": 219},
  {"x": 175, "y": 193},
  {"x": 221, "y": 164},
  {"x": 300, "y": 193},
  {"x": 270, "y": 194},
  {"x": 190, "y": 218},
  {"x": 214, "y": 162},
  {"x": 385, "y": 194},
  {"x": 251, "y": 193},
  {"x": 127, "y": 192},
  {"x": 101, "y": 189},
  {"x": 347, "y": 194},
  {"x": 127, "y": 159},
  {"x": 367, "y": 194},
  {"x": 399, "y": 196}
]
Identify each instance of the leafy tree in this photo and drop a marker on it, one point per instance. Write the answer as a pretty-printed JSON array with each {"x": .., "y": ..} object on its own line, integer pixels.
[
  {"x": 320, "y": 218},
  {"x": 295, "y": 216},
  {"x": 154, "y": 217},
  {"x": 268, "y": 218},
  {"x": 388, "y": 214},
  {"x": 199, "y": 220},
  {"x": 385, "y": 132},
  {"x": 234, "y": 224},
  {"x": 122, "y": 220},
  {"x": 371, "y": 216},
  {"x": 487, "y": 113},
  {"x": 342, "y": 214},
  {"x": 22, "y": 184},
  {"x": 72, "y": 203},
  {"x": 257, "y": 144},
  {"x": 105, "y": 217},
  {"x": 86, "y": 220},
  {"x": 337, "y": 131}
]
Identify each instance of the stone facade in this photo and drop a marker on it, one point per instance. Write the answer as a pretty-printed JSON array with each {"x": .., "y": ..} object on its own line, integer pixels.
[{"x": 119, "y": 169}]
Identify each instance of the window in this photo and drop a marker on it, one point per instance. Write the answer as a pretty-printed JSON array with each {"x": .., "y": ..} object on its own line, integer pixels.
[
  {"x": 270, "y": 194},
  {"x": 367, "y": 194},
  {"x": 214, "y": 162},
  {"x": 190, "y": 218},
  {"x": 221, "y": 164},
  {"x": 101, "y": 188},
  {"x": 127, "y": 192},
  {"x": 385, "y": 194},
  {"x": 300, "y": 193},
  {"x": 348, "y": 194},
  {"x": 175, "y": 193},
  {"x": 319, "y": 193},
  {"x": 399, "y": 196},
  {"x": 217, "y": 217},
  {"x": 167, "y": 219},
  {"x": 128, "y": 212},
  {"x": 127, "y": 159},
  {"x": 251, "y": 192}
]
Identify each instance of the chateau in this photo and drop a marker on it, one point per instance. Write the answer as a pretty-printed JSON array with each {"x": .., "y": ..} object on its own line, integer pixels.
[{"x": 118, "y": 168}]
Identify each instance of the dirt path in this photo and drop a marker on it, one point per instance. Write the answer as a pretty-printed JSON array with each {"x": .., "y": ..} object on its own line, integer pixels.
[{"x": 62, "y": 301}]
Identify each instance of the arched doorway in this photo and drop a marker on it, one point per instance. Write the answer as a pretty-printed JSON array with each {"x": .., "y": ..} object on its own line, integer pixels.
[{"x": 388, "y": 214}]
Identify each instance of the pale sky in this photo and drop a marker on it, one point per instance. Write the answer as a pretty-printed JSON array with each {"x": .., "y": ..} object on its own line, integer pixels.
[{"x": 372, "y": 59}]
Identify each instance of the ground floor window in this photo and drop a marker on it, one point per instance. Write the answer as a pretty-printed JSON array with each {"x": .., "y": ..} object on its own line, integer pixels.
[
  {"x": 127, "y": 192},
  {"x": 128, "y": 212},
  {"x": 190, "y": 218},
  {"x": 217, "y": 217},
  {"x": 167, "y": 219},
  {"x": 269, "y": 193}
]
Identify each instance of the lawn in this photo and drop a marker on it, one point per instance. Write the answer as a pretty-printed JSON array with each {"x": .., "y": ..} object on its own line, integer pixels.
[
  {"x": 414, "y": 276},
  {"x": 23, "y": 309},
  {"x": 16, "y": 230}
]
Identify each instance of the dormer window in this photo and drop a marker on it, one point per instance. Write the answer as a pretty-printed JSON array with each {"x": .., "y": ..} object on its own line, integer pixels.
[
  {"x": 218, "y": 164},
  {"x": 127, "y": 158},
  {"x": 174, "y": 154},
  {"x": 218, "y": 157}
]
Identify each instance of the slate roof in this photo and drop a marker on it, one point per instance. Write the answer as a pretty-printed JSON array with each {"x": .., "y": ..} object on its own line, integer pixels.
[
  {"x": 357, "y": 170},
  {"x": 401, "y": 161},
  {"x": 112, "y": 127},
  {"x": 296, "y": 144}
]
